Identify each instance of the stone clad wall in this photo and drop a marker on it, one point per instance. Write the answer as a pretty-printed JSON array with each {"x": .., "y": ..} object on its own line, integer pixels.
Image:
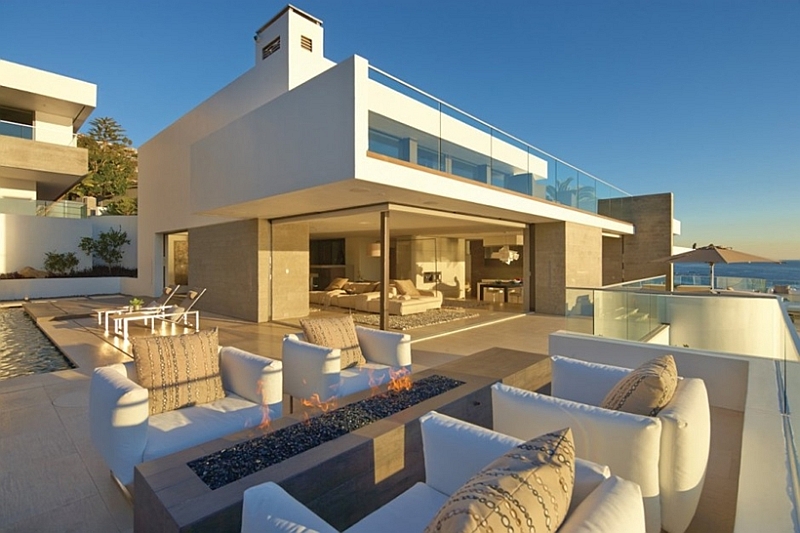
[
  {"x": 227, "y": 259},
  {"x": 652, "y": 217}
]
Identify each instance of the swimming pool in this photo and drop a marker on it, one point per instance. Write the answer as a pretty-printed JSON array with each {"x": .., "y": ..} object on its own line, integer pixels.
[{"x": 24, "y": 349}]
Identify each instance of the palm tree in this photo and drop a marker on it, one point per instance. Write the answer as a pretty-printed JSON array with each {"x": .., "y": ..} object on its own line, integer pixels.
[{"x": 562, "y": 193}]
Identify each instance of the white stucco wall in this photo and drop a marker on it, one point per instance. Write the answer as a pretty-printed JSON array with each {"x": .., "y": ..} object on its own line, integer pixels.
[
  {"x": 741, "y": 325},
  {"x": 299, "y": 140},
  {"x": 26, "y": 239},
  {"x": 165, "y": 167}
]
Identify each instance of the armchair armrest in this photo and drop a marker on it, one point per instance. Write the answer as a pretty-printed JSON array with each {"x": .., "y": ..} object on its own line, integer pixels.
[
  {"x": 685, "y": 444},
  {"x": 615, "y": 505},
  {"x": 267, "y": 507},
  {"x": 310, "y": 369},
  {"x": 253, "y": 377},
  {"x": 119, "y": 411},
  {"x": 582, "y": 381},
  {"x": 629, "y": 444},
  {"x": 385, "y": 347}
]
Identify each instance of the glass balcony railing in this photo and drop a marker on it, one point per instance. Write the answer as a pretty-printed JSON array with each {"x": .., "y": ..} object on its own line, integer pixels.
[
  {"x": 448, "y": 140},
  {"x": 39, "y": 133},
  {"x": 61, "y": 209}
]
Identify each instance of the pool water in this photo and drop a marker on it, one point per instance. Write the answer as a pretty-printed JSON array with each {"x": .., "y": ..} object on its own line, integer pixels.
[{"x": 24, "y": 349}]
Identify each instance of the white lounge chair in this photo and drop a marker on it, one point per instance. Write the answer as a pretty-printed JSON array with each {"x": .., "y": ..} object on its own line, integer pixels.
[
  {"x": 310, "y": 369},
  {"x": 454, "y": 451},
  {"x": 155, "y": 306},
  {"x": 177, "y": 313},
  {"x": 125, "y": 433},
  {"x": 665, "y": 454}
]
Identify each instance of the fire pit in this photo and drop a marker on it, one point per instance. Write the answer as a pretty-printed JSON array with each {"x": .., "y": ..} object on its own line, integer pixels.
[{"x": 231, "y": 464}]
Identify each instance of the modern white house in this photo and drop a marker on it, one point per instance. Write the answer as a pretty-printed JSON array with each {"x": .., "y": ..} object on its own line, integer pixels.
[
  {"x": 303, "y": 169},
  {"x": 40, "y": 115}
]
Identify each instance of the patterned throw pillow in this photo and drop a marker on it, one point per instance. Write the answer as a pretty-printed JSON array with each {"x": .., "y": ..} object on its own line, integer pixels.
[
  {"x": 337, "y": 283},
  {"x": 335, "y": 333},
  {"x": 178, "y": 371},
  {"x": 405, "y": 287},
  {"x": 527, "y": 489},
  {"x": 646, "y": 390}
]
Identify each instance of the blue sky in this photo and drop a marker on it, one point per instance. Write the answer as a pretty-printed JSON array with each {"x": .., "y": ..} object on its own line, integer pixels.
[{"x": 700, "y": 98}]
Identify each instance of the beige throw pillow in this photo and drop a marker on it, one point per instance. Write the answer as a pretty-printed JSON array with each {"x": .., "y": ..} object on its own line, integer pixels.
[
  {"x": 527, "y": 489},
  {"x": 405, "y": 287},
  {"x": 337, "y": 283},
  {"x": 178, "y": 371},
  {"x": 646, "y": 390},
  {"x": 335, "y": 333}
]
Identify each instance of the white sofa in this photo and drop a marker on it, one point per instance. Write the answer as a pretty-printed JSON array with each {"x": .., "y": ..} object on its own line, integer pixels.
[
  {"x": 454, "y": 451},
  {"x": 310, "y": 369},
  {"x": 666, "y": 454},
  {"x": 125, "y": 434}
]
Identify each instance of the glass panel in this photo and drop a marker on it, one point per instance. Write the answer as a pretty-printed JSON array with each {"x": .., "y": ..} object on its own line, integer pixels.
[
  {"x": 394, "y": 139},
  {"x": 565, "y": 191},
  {"x": 11, "y": 129},
  {"x": 587, "y": 193},
  {"x": 401, "y": 88},
  {"x": 580, "y": 311},
  {"x": 466, "y": 147}
]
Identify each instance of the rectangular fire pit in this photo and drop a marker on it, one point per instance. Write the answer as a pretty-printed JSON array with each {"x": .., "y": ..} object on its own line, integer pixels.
[
  {"x": 240, "y": 460},
  {"x": 342, "y": 479}
]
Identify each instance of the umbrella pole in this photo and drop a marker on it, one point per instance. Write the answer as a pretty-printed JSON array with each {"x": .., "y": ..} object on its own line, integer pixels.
[{"x": 712, "y": 275}]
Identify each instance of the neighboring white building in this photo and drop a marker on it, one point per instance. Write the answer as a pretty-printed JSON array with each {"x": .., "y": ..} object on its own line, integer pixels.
[
  {"x": 300, "y": 153},
  {"x": 40, "y": 115}
]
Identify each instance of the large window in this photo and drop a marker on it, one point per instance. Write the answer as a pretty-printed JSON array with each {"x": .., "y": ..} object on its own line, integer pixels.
[{"x": 16, "y": 122}]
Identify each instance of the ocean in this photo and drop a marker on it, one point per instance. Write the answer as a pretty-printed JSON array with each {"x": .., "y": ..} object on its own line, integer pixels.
[{"x": 785, "y": 273}]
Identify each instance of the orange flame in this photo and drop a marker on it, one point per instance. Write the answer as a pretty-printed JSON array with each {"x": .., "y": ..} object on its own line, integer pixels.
[
  {"x": 265, "y": 418},
  {"x": 400, "y": 380},
  {"x": 315, "y": 402},
  {"x": 374, "y": 383}
]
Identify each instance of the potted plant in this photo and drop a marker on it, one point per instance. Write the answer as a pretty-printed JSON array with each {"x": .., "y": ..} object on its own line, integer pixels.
[{"x": 136, "y": 304}]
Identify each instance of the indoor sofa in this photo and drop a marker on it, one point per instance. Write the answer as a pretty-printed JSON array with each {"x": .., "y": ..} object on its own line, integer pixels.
[
  {"x": 365, "y": 296},
  {"x": 454, "y": 451}
]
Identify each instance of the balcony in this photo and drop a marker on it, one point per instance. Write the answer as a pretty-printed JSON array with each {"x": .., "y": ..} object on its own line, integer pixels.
[
  {"x": 409, "y": 125},
  {"x": 49, "y": 157}
]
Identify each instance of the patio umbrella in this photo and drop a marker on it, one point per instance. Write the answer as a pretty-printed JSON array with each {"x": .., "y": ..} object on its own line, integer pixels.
[{"x": 713, "y": 254}]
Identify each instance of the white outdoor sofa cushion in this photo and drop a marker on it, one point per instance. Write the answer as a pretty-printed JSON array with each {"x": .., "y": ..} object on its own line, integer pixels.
[
  {"x": 310, "y": 369},
  {"x": 125, "y": 434},
  {"x": 454, "y": 451},
  {"x": 666, "y": 454}
]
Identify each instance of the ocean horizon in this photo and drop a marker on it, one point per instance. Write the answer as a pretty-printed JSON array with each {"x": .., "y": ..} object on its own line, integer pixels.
[{"x": 784, "y": 273}]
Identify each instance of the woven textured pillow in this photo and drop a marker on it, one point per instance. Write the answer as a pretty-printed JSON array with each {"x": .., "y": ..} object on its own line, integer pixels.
[
  {"x": 405, "y": 287},
  {"x": 335, "y": 333},
  {"x": 337, "y": 283},
  {"x": 646, "y": 390},
  {"x": 178, "y": 371},
  {"x": 527, "y": 489}
]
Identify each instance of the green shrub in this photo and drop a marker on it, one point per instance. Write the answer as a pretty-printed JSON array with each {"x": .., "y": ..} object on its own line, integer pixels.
[
  {"x": 60, "y": 264},
  {"x": 107, "y": 247}
]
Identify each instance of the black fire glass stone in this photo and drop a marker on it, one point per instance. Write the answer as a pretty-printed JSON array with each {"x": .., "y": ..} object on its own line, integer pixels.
[{"x": 231, "y": 464}]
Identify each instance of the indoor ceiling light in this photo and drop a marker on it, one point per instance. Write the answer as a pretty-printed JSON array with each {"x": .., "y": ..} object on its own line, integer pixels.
[{"x": 506, "y": 255}]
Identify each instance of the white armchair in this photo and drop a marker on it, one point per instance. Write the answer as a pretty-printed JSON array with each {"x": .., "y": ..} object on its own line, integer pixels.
[
  {"x": 454, "y": 451},
  {"x": 666, "y": 454},
  {"x": 125, "y": 433},
  {"x": 309, "y": 369}
]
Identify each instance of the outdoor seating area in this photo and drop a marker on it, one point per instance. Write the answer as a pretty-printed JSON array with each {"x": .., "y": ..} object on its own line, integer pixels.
[{"x": 126, "y": 432}]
